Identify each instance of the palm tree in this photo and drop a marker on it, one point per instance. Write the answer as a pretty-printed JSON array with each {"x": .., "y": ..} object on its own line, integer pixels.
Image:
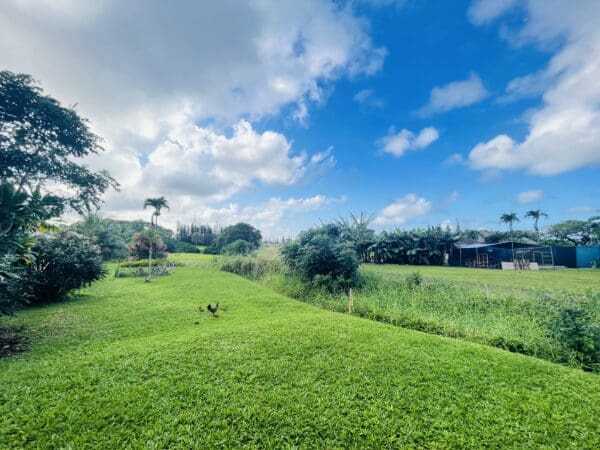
[
  {"x": 536, "y": 215},
  {"x": 157, "y": 203},
  {"x": 509, "y": 218}
]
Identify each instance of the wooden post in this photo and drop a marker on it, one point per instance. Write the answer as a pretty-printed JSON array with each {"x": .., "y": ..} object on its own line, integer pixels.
[{"x": 350, "y": 301}]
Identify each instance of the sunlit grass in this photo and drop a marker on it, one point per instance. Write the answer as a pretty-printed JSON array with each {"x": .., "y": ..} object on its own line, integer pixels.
[
  {"x": 125, "y": 365},
  {"x": 573, "y": 279}
]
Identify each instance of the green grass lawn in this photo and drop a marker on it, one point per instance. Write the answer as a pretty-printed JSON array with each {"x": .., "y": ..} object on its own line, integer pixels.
[
  {"x": 125, "y": 365},
  {"x": 571, "y": 279}
]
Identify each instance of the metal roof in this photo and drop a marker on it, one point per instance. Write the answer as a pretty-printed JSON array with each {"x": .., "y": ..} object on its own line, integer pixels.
[{"x": 504, "y": 244}]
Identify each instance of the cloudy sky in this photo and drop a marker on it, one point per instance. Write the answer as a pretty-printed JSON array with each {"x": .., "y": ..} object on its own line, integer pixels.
[{"x": 285, "y": 113}]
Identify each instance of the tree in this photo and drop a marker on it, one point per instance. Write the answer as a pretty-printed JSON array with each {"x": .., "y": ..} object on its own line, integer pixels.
[
  {"x": 242, "y": 231},
  {"x": 144, "y": 243},
  {"x": 509, "y": 218},
  {"x": 574, "y": 232},
  {"x": 158, "y": 203},
  {"x": 40, "y": 141},
  {"x": 536, "y": 215}
]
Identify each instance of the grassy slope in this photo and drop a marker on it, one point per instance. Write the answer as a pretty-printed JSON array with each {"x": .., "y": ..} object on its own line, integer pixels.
[
  {"x": 572, "y": 279},
  {"x": 126, "y": 366}
]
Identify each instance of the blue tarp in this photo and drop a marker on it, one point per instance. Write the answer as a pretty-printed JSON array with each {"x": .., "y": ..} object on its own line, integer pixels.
[{"x": 586, "y": 256}]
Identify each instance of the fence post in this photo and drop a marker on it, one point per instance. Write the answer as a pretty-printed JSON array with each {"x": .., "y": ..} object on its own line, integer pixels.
[{"x": 350, "y": 301}]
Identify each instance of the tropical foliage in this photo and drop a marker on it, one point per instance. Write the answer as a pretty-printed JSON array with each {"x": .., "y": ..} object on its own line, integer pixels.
[
  {"x": 420, "y": 246},
  {"x": 158, "y": 203},
  {"x": 63, "y": 262},
  {"x": 322, "y": 256},
  {"x": 509, "y": 219},
  {"x": 536, "y": 215}
]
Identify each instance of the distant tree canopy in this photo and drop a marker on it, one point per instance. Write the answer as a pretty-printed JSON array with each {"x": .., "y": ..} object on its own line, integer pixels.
[
  {"x": 240, "y": 231},
  {"x": 196, "y": 234},
  {"x": 575, "y": 232},
  {"x": 39, "y": 142},
  {"x": 104, "y": 233}
]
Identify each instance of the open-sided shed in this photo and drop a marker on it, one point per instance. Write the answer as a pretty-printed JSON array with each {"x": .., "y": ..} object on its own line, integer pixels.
[{"x": 491, "y": 256}]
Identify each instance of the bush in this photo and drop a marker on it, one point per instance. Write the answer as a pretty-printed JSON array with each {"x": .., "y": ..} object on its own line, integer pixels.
[
  {"x": 239, "y": 231},
  {"x": 211, "y": 250},
  {"x": 140, "y": 245},
  {"x": 13, "y": 291},
  {"x": 62, "y": 262},
  {"x": 575, "y": 330},
  {"x": 184, "y": 247},
  {"x": 239, "y": 247},
  {"x": 320, "y": 256}
]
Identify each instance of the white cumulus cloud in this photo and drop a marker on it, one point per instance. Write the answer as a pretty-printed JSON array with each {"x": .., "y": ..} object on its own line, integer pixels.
[
  {"x": 484, "y": 11},
  {"x": 163, "y": 85},
  {"x": 529, "y": 196},
  {"x": 399, "y": 143},
  {"x": 564, "y": 132},
  {"x": 456, "y": 94},
  {"x": 402, "y": 210}
]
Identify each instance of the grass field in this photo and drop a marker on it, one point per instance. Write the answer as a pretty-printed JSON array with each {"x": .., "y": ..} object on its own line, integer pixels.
[
  {"x": 570, "y": 279},
  {"x": 125, "y": 365}
]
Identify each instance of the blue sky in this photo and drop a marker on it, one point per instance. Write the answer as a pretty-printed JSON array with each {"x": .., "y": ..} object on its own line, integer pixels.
[{"x": 417, "y": 112}]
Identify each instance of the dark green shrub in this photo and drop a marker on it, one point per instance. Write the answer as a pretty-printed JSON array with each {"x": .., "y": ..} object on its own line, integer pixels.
[
  {"x": 63, "y": 262},
  {"x": 239, "y": 247},
  {"x": 140, "y": 245},
  {"x": 321, "y": 256},
  {"x": 184, "y": 247},
  {"x": 13, "y": 291},
  {"x": 211, "y": 250},
  {"x": 575, "y": 330}
]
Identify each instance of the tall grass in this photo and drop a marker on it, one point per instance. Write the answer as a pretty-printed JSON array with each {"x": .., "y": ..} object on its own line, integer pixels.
[{"x": 516, "y": 320}]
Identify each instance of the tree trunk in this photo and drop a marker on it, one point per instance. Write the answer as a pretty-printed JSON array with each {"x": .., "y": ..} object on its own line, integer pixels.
[{"x": 149, "y": 258}]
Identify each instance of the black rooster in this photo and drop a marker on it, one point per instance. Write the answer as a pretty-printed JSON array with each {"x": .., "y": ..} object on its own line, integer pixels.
[{"x": 213, "y": 309}]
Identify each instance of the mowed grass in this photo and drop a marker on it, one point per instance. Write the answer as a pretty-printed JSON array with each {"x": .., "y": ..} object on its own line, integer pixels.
[
  {"x": 559, "y": 279},
  {"x": 125, "y": 365}
]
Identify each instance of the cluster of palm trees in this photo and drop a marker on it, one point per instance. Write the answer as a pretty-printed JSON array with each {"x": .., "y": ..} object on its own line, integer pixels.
[
  {"x": 420, "y": 246},
  {"x": 535, "y": 214}
]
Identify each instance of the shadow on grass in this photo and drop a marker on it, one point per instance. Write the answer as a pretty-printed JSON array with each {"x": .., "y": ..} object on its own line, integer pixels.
[{"x": 12, "y": 340}]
